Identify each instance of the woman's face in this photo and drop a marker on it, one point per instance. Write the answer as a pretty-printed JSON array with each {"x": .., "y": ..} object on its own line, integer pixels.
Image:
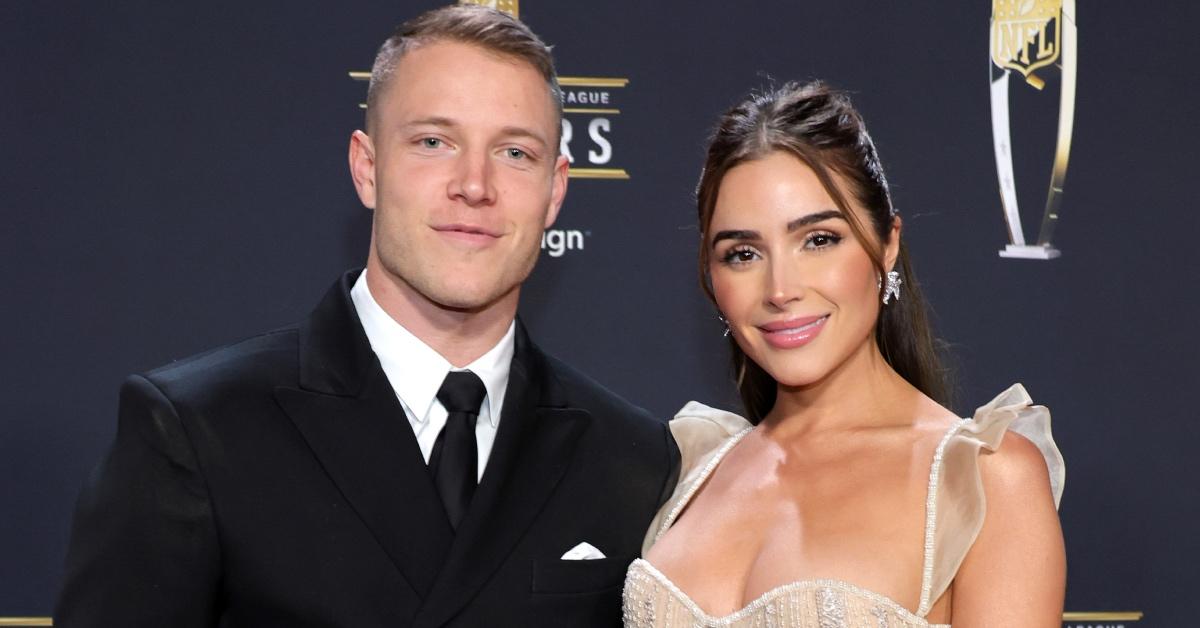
[{"x": 797, "y": 287}]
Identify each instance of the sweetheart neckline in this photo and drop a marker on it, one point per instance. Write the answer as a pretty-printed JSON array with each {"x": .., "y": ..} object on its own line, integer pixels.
[
  {"x": 768, "y": 596},
  {"x": 926, "y": 601}
]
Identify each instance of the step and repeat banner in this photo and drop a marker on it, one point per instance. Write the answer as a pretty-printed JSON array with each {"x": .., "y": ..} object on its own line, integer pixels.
[{"x": 175, "y": 179}]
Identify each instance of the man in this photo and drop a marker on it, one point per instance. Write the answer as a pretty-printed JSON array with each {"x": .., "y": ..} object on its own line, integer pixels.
[{"x": 406, "y": 456}]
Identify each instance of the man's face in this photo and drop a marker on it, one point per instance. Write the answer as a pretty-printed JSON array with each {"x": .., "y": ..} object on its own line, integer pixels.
[{"x": 463, "y": 172}]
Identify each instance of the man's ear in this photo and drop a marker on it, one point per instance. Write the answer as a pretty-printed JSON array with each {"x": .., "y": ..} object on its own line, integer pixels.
[
  {"x": 891, "y": 250},
  {"x": 558, "y": 189},
  {"x": 362, "y": 167}
]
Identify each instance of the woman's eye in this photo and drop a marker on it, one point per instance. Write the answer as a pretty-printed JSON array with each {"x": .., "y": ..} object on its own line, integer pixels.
[
  {"x": 739, "y": 256},
  {"x": 822, "y": 240}
]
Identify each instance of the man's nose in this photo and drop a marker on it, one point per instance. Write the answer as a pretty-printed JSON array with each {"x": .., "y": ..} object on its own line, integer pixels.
[{"x": 473, "y": 182}]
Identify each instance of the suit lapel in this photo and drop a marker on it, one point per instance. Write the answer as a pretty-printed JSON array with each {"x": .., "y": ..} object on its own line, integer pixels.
[
  {"x": 367, "y": 448},
  {"x": 348, "y": 413},
  {"x": 533, "y": 449}
]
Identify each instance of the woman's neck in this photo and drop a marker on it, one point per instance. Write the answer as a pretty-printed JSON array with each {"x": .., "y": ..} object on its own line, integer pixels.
[{"x": 863, "y": 391}]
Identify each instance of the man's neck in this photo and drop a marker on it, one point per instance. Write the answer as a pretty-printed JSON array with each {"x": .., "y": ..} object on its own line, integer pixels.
[{"x": 460, "y": 336}]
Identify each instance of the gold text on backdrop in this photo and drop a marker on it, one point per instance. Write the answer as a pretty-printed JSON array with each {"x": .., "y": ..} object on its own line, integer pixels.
[
  {"x": 589, "y": 104},
  {"x": 508, "y": 6}
]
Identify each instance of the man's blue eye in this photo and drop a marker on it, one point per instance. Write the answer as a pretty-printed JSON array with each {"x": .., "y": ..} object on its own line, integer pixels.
[
  {"x": 516, "y": 153},
  {"x": 431, "y": 142}
]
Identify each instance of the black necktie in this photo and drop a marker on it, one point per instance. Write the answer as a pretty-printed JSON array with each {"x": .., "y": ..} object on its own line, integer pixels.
[{"x": 454, "y": 461}]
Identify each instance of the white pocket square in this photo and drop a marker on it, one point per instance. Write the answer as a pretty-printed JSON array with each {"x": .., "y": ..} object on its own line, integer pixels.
[{"x": 583, "y": 551}]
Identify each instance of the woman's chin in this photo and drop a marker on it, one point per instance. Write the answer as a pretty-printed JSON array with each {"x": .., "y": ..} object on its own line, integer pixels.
[{"x": 797, "y": 379}]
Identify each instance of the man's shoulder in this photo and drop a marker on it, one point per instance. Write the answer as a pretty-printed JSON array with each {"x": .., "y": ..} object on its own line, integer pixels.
[
  {"x": 265, "y": 360},
  {"x": 627, "y": 435},
  {"x": 584, "y": 392}
]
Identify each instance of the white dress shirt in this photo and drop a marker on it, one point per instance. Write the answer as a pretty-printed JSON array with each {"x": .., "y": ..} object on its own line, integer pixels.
[{"x": 416, "y": 373}]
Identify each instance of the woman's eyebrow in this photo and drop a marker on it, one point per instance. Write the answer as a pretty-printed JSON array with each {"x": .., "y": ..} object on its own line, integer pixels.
[
  {"x": 747, "y": 234},
  {"x": 811, "y": 219},
  {"x": 735, "y": 234}
]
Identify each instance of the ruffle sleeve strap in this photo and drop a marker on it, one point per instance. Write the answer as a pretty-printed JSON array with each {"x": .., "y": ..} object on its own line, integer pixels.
[
  {"x": 956, "y": 503},
  {"x": 702, "y": 434}
]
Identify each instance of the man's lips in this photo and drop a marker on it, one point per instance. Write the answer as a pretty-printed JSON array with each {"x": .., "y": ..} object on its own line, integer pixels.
[
  {"x": 467, "y": 233},
  {"x": 793, "y": 332}
]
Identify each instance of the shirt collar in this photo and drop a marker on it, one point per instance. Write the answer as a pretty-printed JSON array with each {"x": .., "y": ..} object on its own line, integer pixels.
[{"x": 415, "y": 370}]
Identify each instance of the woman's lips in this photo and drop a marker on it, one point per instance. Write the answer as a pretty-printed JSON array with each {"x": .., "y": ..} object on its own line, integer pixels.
[{"x": 793, "y": 333}]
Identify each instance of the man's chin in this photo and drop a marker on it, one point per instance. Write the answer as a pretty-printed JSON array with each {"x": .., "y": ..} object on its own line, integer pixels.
[
  {"x": 467, "y": 301},
  {"x": 440, "y": 289},
  {"x": 464, "y": 306}
]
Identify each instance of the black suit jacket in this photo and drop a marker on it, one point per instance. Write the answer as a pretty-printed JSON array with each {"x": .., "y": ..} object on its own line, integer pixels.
[{"x": 276, "y": 482}]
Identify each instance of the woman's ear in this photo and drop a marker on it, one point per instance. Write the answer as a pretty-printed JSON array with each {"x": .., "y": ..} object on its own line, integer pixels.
[{"x": 891, "y": 249}]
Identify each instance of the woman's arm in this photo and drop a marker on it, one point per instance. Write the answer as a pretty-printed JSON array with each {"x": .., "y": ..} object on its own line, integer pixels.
[{"x": 1015, "y": 573}]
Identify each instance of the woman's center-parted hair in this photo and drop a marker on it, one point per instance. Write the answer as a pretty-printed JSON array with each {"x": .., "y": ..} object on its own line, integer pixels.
[{"x": 818, "y": 125}]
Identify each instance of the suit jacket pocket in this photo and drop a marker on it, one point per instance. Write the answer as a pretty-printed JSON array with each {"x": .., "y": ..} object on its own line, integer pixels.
[{"x": 579, "y": 576}]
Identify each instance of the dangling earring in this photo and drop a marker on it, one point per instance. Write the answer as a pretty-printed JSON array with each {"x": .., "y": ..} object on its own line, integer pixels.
[
  {"x": 725, "y": 324},
  {"x": 893, "y": 287}
]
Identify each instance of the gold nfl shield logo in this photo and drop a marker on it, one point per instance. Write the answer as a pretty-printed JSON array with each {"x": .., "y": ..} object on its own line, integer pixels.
[
  {"x": 1026, "y": 35},
  {"x": 507, "y": 6}
]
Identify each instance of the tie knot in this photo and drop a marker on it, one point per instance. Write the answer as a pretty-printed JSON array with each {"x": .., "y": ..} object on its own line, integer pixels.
[{"x": 462, "y": 391}]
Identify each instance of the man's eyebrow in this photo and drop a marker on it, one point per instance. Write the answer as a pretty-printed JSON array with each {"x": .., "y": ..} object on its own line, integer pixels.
[
  {"x": 517, "y": 131},
  {"x": 431, "y": 121},
  {"x": 735, "y": 234},
  {"x": 813, "y": 219},
  {"x": 508, "y": 132}
]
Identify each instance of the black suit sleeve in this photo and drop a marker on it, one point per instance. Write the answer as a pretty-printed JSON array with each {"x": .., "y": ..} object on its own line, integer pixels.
[
  {"x": 144, "y": 550},
  {"x": 674, "y": 459}
]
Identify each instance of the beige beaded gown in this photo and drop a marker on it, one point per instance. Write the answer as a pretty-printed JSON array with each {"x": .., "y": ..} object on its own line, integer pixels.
[{"x": 954, "y": 512}]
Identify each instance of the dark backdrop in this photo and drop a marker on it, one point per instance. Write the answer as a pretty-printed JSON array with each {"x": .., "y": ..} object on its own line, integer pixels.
[{"x": 174, "y": 177}]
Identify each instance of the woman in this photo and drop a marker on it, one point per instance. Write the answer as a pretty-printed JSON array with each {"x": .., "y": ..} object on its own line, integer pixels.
[{"x": 855, "y": 498}]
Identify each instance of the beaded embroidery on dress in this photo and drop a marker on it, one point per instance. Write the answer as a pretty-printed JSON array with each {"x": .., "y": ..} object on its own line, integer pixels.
[{"x": 954, "y": 513}]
